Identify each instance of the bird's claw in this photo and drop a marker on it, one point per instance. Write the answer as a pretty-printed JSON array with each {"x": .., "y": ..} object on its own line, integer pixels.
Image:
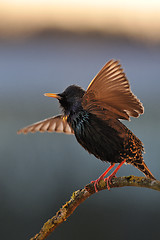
[
  {"x": 96, "y": 183},
  {"x": 108, "y": 180}
]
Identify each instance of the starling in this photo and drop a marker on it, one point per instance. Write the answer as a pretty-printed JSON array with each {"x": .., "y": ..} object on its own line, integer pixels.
[{"x": 93, "y": 116}]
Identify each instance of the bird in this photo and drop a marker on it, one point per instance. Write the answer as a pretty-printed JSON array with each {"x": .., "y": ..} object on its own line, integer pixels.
[{"x": 95, "y": 118}]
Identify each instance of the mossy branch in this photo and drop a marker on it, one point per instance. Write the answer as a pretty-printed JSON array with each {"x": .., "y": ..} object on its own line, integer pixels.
[{"x": 81, "y": 195}]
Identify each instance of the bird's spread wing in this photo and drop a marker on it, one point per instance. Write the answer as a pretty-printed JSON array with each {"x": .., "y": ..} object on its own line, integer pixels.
[
  {"x": 53, "y": 124},
  {"x": 110, "y": 91}
]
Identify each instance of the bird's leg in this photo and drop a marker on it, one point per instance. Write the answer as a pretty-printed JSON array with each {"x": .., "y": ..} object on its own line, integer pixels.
[
  {"x": 101, "y": 177},
  {"x": 108, "y": 179}
]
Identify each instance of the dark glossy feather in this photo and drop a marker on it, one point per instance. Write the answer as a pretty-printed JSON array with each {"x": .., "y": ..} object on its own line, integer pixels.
[
  {"x": 109, "y": 140},
  {"x": 97, "y": 136}
]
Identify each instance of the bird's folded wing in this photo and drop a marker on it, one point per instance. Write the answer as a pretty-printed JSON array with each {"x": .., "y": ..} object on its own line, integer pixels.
[
  {"x": 53, "y": 124},
  {"x": 110, "y": 90}
]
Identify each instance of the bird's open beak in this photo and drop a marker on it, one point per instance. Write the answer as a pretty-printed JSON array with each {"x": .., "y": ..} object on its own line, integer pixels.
[{"x": 54, "y": 95}]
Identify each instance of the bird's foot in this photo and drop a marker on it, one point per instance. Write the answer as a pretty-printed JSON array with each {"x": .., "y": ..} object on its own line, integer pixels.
[
  {"x": 108, "y": 180},
  {"x": 96, "y": 183}
]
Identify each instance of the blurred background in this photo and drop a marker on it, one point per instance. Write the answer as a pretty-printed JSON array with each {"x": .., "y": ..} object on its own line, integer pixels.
[{"x": 44, "y": 47}]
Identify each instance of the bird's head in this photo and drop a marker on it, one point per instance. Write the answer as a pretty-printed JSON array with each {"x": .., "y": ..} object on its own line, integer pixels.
[{"x": 70, "y": 99}]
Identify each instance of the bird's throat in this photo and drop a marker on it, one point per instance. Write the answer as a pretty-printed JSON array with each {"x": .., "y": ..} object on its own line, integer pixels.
[{"x": 78, "y": 120}]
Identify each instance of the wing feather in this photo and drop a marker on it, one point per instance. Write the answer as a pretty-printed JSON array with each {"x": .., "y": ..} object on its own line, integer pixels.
[
  {"x": 53, "y": 124},
  {"x": 110, "y": 90}
]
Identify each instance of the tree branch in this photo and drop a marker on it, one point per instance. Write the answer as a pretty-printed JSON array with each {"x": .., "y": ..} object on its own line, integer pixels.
[{"x": 81, "y": 195}]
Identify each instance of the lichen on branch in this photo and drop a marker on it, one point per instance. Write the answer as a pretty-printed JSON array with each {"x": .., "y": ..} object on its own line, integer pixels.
[{"x": 81, "y": 195}]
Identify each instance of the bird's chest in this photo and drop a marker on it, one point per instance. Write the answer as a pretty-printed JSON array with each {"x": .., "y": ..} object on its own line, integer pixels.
[{"x": 96, "y": 136}]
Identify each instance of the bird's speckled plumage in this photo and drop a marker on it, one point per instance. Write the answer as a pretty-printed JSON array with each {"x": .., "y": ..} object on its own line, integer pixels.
[{"x": 93, "y": 117}]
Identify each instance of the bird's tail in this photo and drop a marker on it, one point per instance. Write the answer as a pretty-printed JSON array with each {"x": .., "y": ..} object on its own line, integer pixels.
[
  {"x": 143, "y": 168},
  {"x": 137, "y": 161}
]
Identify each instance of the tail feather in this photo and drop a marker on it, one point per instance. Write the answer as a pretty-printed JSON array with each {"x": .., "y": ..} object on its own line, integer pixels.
[
  {"x": 143, "y": 168},
  {"x": 136, "y": 159}
]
